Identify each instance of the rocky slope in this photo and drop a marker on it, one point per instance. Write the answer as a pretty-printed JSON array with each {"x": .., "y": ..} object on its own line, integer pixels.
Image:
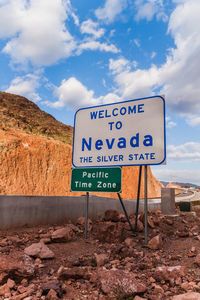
[
  {"x": 35, "y": 154},
  {"x": 19, "y": 112}
]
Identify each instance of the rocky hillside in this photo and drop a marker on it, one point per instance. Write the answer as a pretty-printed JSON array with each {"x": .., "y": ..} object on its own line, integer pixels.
[
  {"x": 35, "y": 153},
  {"x": 17, "y": 112}
]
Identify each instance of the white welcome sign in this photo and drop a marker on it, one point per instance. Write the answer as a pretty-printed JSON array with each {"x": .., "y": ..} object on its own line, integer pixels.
[{"x": 121, "y": 134}]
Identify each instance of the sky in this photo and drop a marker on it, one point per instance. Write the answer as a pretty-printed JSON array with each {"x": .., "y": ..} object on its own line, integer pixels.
[{"x": 64, "y": 55}]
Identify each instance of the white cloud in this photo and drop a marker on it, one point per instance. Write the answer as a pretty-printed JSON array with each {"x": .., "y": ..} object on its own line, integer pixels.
[
  {"x": 91, "y": 27},
  {"x": 11, "y": 15},
  {"x": 35, "y": 32},
  {"x": 194, "y": 120},
  {"x": 110, "y": 98},
  {"x": 69, "y": 8},
  {"x": 112, "y": 32},
  {"x": 170, "y": 123},
  {"x": 153, "y": 54},
  {"x": 188, "y": 151},
  {"x": 147, "y": 9},
  {"x": 137, "y": 42},
  {"x": 179, "y": 77},
  {"x": 95, "y": 45},
  {"x": 38, "y": 31},
  {"x": 184, "y": 176},
  {"x": 139, "y": 83},
  {"x": 119, "y": 65},
  {"x": 25, "y": 86},
  {"x": 111, "y": 9},
  {"x": 74, "y": 94}
]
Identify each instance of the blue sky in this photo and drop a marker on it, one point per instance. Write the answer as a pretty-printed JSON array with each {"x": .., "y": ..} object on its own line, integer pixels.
[{"x": 65, "y": 54}]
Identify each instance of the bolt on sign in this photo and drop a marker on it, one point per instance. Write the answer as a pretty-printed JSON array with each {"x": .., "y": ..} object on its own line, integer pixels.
[
  {"x": 121, "y": 134},
  {"x": 96, "y": 179}
]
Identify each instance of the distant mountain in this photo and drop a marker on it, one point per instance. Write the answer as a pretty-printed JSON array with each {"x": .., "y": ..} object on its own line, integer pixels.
[
  {"x": 182, "y": 184},
  {"x": 20, "y": 113}
]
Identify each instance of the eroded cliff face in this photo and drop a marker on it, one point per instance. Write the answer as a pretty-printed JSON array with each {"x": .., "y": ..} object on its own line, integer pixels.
[{"x": 35, "y": 165}]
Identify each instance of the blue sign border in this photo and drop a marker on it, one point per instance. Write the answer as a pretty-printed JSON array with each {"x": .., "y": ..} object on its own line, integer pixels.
[{"x": 126, "y": 101}]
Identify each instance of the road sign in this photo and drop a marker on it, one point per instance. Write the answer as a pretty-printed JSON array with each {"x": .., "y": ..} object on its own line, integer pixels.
[
  {"x": 96, "y": 179},
  {"x": 120, "y": 134}
]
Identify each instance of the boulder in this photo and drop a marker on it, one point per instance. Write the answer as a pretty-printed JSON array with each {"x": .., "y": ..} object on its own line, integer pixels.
[
  {"x": 52, "y": 295},
  {"x": 16, "y": 268},
  {"x": 111, "y": 215},
  {"x": 65, "y": 234},
  {"x": 39, "y": 250},
  {"x": 169, "y": 273},
  {"x": 54, "y": 285},
  {"x": 119, "y": 283},
  {"x": 130, "y": 242},
  {"x": 155, "y": 243},
  {"x": 74, "y": 273},
  {"x": 197, "y": 259},
  {"x": 4, "y": 290},
  {"x": 109, "y": 231},
  {"x": 81, "y": 222},
  {"x": 187, "y": 296},
  {"x": 101, "y": 259}
]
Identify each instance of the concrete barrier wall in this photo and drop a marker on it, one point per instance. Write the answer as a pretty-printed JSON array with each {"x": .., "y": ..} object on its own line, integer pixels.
[{"x": 34, "y": 210}]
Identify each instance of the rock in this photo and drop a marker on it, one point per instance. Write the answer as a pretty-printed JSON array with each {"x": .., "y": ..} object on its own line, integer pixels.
[
  {"x": 169, "y": 221},
  {"x": 4, "y": 289},
  {"x": 184, "y": 233},
  {"x": 185, "y": 286},
  {"x": 119, "y": 283},
  {"x": 21, "y": 289},
  {"x": 10, "y": 283},
  {"x": 24, "y": 282},
  {"x": 16, "y": 268},
  {"x": 150, "y": 222},
  {"x": 63, "y": 235},
  {"x": 140, "y": 226},
  {"x": 156, "y": 220},
  {"x": 52, "y": 295},
  {"x": 74, "y": 228},
  {"x": 122, "y": 218},
  {"x": 109, "y": 231},
  {"x": 187, "y": 296},
  {"x": 45, "y": 235},
  {"x": 29, "y": 265},
  {"x": 197, "y": 259},
  {"x": 111, "y": 215},
  {"x": 74, "y": 273},
  {"x": 54, "y": 285},
  {"x": 39, "y": 250},
  {"x": 45, "y": 240},
  {"x": 157, "y": 289},
  {"x": 81, "y": 222},
  {"x": 155, "y": 243},
  {"x": 130, "y": 242},
  {"x": 169, "y": 273},
  {"x": 101, "y": 259}
]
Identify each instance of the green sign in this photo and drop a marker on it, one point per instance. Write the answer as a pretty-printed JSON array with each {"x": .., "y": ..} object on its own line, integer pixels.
[{"x": 96, "y": 180}]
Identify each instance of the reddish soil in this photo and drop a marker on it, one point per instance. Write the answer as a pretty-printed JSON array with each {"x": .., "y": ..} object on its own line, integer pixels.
[{"x": 76, "y": 270}]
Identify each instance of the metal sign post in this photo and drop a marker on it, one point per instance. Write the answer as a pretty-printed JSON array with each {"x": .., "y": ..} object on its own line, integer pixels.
[
  {"x": 125, "y": 212},
  {"x": 145, "y": 208},
  {"x": 86, "y": 214},
  {"x": 128, "y": 133},
  {"x": 138, "y": 198}
]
